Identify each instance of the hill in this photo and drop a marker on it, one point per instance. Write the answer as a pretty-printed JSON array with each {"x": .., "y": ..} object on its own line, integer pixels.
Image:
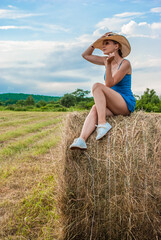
[{"x": 21, "y": 96}]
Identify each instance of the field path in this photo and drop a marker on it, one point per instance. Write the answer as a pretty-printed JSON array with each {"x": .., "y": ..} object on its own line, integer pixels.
[{"x": 30, "y": 144}]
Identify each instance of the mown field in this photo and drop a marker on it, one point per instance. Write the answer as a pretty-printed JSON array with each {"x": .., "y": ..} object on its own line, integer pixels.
[{"x": 30, "y": 146}]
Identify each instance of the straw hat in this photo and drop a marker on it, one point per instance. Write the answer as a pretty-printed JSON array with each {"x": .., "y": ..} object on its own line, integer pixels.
[{"x": 124, "y": 43}]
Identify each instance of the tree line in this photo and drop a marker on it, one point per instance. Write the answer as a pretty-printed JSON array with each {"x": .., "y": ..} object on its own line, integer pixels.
[
  {"x": 77, "y": 100},
  {"x": 12, "y": 98}
]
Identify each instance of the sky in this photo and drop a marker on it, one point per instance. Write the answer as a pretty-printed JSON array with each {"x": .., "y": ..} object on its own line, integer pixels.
[{"x": 41, "y": 42}]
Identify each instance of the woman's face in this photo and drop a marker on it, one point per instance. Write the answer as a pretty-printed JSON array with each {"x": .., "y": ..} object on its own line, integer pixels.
[{"x": 109, "y": 47}]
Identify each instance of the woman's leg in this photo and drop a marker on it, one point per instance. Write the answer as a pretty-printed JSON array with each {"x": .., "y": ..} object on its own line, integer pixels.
[
  {"x": 106, "y": 97},
  {"x": 91, "y": 121}
]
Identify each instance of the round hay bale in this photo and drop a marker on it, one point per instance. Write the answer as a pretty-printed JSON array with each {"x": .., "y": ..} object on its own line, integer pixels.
[{"x": 112, "y": 190}]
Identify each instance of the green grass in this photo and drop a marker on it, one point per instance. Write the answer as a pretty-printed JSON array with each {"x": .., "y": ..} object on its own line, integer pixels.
[
  {"x": 35, "y": 216},
  {"x": 27, "y": 178},
  {"x": 15, "y": 122},
  {"x": 37, "y": 208},
  {"x": 27, "y": 129},
  {"x": 22, "y": 152},
  {"x": 43, "y": 147},
  {"x": 18, "y": 146}
]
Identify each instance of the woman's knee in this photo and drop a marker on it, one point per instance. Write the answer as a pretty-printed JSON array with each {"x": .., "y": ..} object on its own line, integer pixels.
[
  {"x": 93, "y": 110},
  {"x": 96, "y": 86},
  {"x": 109, "y": 113}
]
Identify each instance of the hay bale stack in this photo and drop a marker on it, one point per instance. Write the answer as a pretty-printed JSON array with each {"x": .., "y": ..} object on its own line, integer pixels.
[{"x": 112, "y": 190}]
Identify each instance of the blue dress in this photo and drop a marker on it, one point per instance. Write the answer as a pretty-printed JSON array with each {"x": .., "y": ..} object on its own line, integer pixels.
[{"x": 124, "y": 89}]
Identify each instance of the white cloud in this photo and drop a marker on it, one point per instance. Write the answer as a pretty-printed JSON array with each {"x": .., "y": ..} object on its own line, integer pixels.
[
  {"x": 142, "y": 29},
  {"x": 147, "y": 62},
  {"x": 73, "y": 73},
  {"x": 156, "y": 10},
  {"x": 143, "y": 80},
  {"x": 128, "y": 14},
  {"x": 156, "y": 25},
  {"x": 111, "y": 24},
  {"x": 55, "y": 28},
  {"x": 18, "y": 54},
  {"x": 11, "y": 6},
  {"x": 44, "y": 28},
  {"x": 86, "y": 39},
  {"x": 15, "y": 14},
  {"x": 51, "y": 67},
  {"x": 123, "y": 23},
  {"x": 14, "y": 27},
  {"x": 48, "y": 87}
]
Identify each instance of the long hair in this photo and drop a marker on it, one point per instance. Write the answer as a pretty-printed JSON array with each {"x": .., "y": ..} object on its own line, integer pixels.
[{"x": 119, "y": 50}]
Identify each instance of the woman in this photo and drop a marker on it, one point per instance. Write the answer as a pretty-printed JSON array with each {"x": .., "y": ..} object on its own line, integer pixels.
[{"x": 115, "y": 96}]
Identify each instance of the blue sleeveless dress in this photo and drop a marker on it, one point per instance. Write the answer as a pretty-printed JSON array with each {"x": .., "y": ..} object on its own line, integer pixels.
[{"x": 124, "y": 89}]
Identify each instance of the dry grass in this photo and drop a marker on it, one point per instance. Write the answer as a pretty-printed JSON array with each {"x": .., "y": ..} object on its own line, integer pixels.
[
  {"x": 27, "y": 175},
  {"x": 112, "y": 190}
]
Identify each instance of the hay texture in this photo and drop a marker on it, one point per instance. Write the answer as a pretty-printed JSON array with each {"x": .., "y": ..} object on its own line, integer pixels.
[{"x": 112, "y": 190}]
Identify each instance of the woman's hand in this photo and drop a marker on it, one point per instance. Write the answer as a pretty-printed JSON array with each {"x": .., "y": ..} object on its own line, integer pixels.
[
  {"x": 105, "y": 35},
  {"x": 109, "y": 59}
]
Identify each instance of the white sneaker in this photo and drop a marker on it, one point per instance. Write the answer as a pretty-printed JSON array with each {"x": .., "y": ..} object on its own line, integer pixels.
[
  {"x": 102, "y": 129},
  {"x": 78, "y": 143}
]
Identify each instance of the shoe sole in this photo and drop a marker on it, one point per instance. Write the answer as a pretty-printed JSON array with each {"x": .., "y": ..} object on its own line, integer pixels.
[
  {"x": 75, "y": 148},
  {"x": 104, "y": 135}
]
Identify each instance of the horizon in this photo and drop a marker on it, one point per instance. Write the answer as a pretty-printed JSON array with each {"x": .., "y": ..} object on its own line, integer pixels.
[
  {"x": 30, "y": 94},
  {"x": 64, "y": 93},
  {"x": 42, "y": 42}
]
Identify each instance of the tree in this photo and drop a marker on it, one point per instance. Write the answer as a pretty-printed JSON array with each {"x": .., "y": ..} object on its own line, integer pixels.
[
  {"x": 149, "y": 101},
  {"x": 68, "y": 100},
  {"x": 30, "y": 100},
  {"x": 80, "y": 94},
  {"x": 21, "y": 102},
  {"x": 10, "y": 102},
  {"x": 41, "y": 103},
  {"x": 150, "y": 96}
]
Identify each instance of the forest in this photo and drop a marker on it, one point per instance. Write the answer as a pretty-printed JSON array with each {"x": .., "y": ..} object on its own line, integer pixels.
[{"x": 78, "y": 100}]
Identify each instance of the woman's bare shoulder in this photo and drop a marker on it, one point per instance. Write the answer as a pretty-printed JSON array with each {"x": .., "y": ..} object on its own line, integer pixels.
[
  {"x": 127, "y": 65},
  {"x": 127, "y": 62}
]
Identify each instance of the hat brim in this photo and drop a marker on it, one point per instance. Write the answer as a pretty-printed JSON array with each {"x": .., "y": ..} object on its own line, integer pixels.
[{"x": 124, "y": 43}]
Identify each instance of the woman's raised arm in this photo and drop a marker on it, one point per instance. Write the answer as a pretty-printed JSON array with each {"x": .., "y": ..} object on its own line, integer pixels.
[
  {"x": 87, "y": 54},
  {"x": 94, "y": 58}
]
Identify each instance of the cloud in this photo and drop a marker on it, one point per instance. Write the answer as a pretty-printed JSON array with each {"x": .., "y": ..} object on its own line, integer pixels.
[
  {"x": 15, "y": 14},
  {"x": 128, "y": 14},
  {"x": 15, "y": 27},
  {"x": 156, "y": 10},
  {"x": 45, "y": 66},
  {"x": 156, "y": 25},
  {"x": 48, "y": 87},
  {"x": 55, "y": 28},
  {"x": 11, "y": 6},
  {"x": 146, "y": 79},
  {"x": 147, "y": 63},
  {"x": 124, "y": 23},
  {"x": 110, "y": 24},
  {"x": 56, "y": 67},
  {"x": 142, "y": 29},
  {"x": 44, "y": 28}
]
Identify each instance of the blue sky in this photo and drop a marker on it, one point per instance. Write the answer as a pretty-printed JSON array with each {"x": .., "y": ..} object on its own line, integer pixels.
[{"x": 41, "y": 42}]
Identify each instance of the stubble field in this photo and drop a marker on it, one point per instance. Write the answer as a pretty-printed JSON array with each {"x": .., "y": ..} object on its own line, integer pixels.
[
  {"x": 38, "y": 176},
  {"x": 30, "y": 144}
]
